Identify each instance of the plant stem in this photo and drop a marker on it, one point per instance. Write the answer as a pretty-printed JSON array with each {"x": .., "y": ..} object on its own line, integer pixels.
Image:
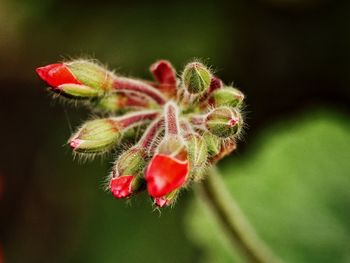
[{"x": 236, "y": 227}]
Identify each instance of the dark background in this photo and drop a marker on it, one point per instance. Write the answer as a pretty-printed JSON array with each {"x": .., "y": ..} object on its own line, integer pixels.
[{"x": 287, "y": 56}]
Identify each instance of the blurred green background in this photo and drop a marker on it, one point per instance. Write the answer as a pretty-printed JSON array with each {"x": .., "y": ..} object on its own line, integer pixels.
[{"x": 291, "y": 173}]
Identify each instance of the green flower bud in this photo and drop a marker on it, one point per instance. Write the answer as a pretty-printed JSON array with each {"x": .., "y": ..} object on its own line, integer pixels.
[
  {"x": 130, "y": 162},
  {"x": 197, "y": 151},
  {"x": 96, "y": 136},
  {"x": 223, "y": 122},
  {"x": 213, "y": 143},
  {"x": 196, "y": 78},
  {"x": 91, "y": 74},
  {"x": 227, "y": 96}
]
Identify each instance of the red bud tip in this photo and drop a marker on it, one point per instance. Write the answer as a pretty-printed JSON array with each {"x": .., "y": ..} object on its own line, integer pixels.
[
  {"x": 215, "y": 84},
  {"x": 163, "y": 72},
  {"x": 74, "y": 143},
  {"x": 165, "y": 174},
  {"x": 233, "y": 122},
  {"x": 56, "y": 75},
  {"x": 160, "y": 201},
  {"x": 121, "y": 186}
]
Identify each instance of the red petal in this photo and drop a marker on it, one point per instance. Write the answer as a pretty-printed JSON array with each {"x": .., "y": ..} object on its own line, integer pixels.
[
  {"x": 165, "y": 174},
  {"x": 56, "y": 74},
  {"x": 163, "y": 72},
  {"x": 121, "y": 186}
]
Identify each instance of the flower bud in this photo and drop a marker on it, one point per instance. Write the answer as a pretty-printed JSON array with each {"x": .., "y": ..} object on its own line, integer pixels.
[
  {"x": 125, "y": 186},
  {"x": 96, "y": 136},
  {"x": 227, "y": 96},
  {"x": 130, "y": 162},
  {"x": 197, "y": 151},
  {"x": 223, "y": 122},
  {"x": 213, "y": 143},
  {"x": 77, "y": 79},
  {"x": 196, "y": 78}
]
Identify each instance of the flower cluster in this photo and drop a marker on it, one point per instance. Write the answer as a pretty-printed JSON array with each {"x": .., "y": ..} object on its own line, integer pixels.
[{"x": 187, "y": 123}]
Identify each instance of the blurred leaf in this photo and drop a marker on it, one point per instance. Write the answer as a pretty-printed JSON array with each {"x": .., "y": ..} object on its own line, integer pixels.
[{"x": 294, "y": 188}]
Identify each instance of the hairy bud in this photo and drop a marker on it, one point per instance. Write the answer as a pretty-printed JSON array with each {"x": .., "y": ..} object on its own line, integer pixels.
[
  {"x": 77, "y": 79},
  {"x": 226, "y": 96},
  {"x": 196, "y": 78},
  {"x": 124, "y": 186},
  {"x": 96, "y": 136},
  {"x": 213, "y": 143},
  {"x": 130, "y": 162},
  {"x": 197, "y": 151},
  {"x": 223, "y": 122}
]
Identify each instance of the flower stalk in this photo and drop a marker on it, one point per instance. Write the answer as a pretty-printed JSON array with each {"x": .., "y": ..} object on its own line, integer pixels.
[{"x": 214, "y": 194}]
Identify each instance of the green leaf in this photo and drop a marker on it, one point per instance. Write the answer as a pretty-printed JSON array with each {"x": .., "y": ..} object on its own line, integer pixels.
[{"x": 294, "y": 187}]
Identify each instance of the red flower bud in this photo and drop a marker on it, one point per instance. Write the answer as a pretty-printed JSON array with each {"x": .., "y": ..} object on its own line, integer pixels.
[
  {"x": 56, "y": 75},
  {"x": 121, "y": 186},
  {"x": 163, "y": 72},
  {"x": 165, "y": 174}
]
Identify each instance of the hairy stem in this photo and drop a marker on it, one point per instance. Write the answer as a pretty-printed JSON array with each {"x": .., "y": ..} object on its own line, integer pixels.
[
  {"x": 123, "y": 84},
  {"x": 233, "y": 222}
]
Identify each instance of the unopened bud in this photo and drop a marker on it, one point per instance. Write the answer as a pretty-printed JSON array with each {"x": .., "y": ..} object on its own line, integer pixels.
[
  {"x": 130, "y": 162},
  {"x": 223, "y": 122},
  {"x": 227, "y": 96},
  {"x": 196, "y": 78},
  {"x": 77, "y": 79},
  {"x": 213, "y": 143},
  {"x": 96, "y": 136},
  {"x": 125, "y": 186},
  {"x": 197, "y": 151}
]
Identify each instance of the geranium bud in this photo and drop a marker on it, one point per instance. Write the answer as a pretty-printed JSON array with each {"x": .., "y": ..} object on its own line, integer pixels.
[
  {"x": 91, "y": 74},
  {"x": 223, "y": 122},
  {"x": 124, "y": 186},
  {"x": 227, "y": 96},
  {"x": 164, "y": 72},
  {"x": 213, "y": 143},
  {"x": 77, "y": 79},
  {"x": 197, "y": 151},
  {"x": 165, "y": 174},
  {"x": 130, "y": 162},
  {"x": 196, "y": 78},
  {"x": 96, "y": 136}
]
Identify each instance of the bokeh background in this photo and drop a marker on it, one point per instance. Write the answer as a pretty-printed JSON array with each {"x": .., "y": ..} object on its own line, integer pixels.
[{"x": 291, "y": 173}]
